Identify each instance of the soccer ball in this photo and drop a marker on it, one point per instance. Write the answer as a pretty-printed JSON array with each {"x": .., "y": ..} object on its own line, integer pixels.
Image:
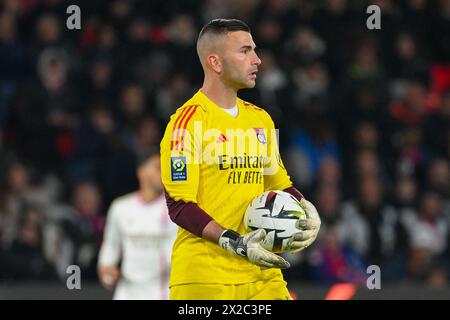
[{"x": 276, "y": 212}]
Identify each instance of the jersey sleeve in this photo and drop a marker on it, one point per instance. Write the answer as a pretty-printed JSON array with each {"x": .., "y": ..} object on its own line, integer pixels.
[
  {"x": 275, "y": 174},
  {"x": 180, "y": 154},
  {"x": 110, "y": 250}
]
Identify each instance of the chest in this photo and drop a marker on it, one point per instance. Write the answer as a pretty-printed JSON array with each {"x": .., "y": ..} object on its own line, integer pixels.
[
  {"x": 245, "y": 137},
  {"x": 143, "y": 221}
]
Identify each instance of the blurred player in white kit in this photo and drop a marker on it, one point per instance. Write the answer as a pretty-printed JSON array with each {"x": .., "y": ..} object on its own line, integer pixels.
[{"x": 138, "y": 234}]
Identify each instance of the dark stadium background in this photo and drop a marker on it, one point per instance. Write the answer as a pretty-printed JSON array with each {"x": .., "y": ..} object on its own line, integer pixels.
[{"x": 363, "y": 117}]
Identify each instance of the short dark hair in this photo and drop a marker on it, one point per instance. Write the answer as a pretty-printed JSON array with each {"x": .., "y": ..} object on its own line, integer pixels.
[{"x": 223, "y": 26}]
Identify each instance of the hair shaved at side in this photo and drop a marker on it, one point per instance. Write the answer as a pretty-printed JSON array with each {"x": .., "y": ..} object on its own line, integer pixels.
[{"x": 211, "y": 34}]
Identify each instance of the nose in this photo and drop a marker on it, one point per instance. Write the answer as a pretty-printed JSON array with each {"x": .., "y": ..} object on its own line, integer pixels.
[{"x": 256, "y": 60}]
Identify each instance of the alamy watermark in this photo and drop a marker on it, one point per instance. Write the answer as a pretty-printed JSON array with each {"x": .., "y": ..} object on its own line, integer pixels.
[
  {"x": 73, "y": 22},
  {"x": 374, "y": 279},
  {"x": 374, "y": 20},
  {"x": 74, "y": 279},
  {"x": 255, "y": 148}
]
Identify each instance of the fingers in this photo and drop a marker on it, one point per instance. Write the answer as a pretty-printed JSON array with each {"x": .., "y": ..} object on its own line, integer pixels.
[
  {"x": 308, "y": 224},
  {"x": 304, "y": 235},
  {"x": 255, "y": 236},
  {"x": 301, "y": 245},
  {"x": 274, "y": 261},
  {"x": 260, "y": 256},
  {"x": 108, "y": 280}
]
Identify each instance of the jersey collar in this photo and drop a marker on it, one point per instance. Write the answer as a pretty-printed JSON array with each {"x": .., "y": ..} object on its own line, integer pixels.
[{"x": 208, "y": 103}]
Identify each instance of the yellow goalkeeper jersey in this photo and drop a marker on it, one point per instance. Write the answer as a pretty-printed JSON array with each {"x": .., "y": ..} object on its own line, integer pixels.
[{"x": 221, "y": 163}]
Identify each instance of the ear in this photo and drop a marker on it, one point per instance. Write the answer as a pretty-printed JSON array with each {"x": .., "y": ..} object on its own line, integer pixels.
[{"x": 214, "y": 62}]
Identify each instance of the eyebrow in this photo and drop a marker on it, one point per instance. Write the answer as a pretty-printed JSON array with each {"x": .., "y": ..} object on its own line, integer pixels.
[{"x": 248, "y": 47}]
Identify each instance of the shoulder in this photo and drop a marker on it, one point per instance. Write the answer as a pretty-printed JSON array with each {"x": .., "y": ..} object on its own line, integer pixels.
[
  {"x": 191, "y": 108},
  {"x": 258, "y": 111},
  {"x": 123, "y": 201},
  {"x": 250, "y": 105},
  {"x": 186, "y": 114}
]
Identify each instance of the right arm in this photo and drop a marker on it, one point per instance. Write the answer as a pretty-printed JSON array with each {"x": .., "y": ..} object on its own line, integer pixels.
[
  {"x": 192, "y": 218},
  {"x": 109, "y": 255}
]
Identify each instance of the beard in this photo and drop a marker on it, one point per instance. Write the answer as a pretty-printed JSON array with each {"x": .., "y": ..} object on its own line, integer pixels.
[{"x": 236, "y": 78}]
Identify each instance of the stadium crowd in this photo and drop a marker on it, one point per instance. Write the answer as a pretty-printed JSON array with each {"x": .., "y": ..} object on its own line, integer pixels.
[{"x": 364, "y": 119}]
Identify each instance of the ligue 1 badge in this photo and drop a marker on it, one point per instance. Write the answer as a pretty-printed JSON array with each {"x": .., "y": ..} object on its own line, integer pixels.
[
  {"x": 260, "y": 135},
  {"x": 178, "y": 168}
]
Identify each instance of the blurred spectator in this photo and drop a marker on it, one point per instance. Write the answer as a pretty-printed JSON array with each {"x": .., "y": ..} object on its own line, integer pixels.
[
  {"x": 181, "y": 40},
  {"x": 17, "y": 190},
  {"x": 333, "y": 261},
  {"x": 100, "y": 83},
  {"x": 14, "y": 64},
  {"x": 406, "y": 192},
  {"x": 412, "y": 108},
  {"x": 154, "y": 72},
  {"x": 360, "y": 113},
  {"x": 407, "y": 61},
  {"x": 138, "y": 43},
  {"x": 119, "y": 14},
  {"x": 50, "y": 111},
  {"x": 25, "y": 260},
  {"x": 415, "y": 16},
  {"x": 304, "y": 47},
  {"x": 132, "y": 104},
  {"x": 438, "y": 177},
  {"x": 311, "y": 82},
  {"x": 172, "y": 96},
  {"x": 309, "y": 146},
  {"x": 366, "y": 64},
  {"x": 271, "y": 84},
  {"x": 48, "y": 30},
  {"x": 330, "y": 20},
  {"x": 107, "y": 38},
  {"x": 268, "y": 33},
  {"x": 439, "y": 34},
  {"x": 16, "y": 184},
  {"x": 85, "y": 227},
  {"x": 214, "y": 9},
  {"x": 329, "y": 173},
  {"x": 373, "y": 229},
  {"x": 367, "y": 136},
  {"x": 412, "y": 154},
  {"x": 146, "y": 137},
  {"x": 328, "y": 198},
  {"x": 429, "y": 239},
  {"x": 437, "y": 128},
  {"x": 92, "y": 142},
  {"x": 367, "y": 165}
]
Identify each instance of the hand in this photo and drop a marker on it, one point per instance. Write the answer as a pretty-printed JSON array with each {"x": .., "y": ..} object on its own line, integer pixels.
[
  {"x": 309, "y": 227},
  {"x": 249, "y": 246},
  {"x": 108, "y": 276}
]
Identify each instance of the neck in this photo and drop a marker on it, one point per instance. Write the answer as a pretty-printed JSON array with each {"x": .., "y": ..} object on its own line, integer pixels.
[
  {"x": 148, "y": 194},
  {"x": 221, "y": 94}
]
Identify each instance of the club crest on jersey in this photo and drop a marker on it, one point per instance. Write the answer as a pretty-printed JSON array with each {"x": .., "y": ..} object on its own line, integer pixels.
[
  {"x": 260, "y": 135},
  {"x": 178, "y": 168}
]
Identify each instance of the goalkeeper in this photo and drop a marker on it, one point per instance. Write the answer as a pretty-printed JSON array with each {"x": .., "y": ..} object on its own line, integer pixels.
[{"x": 210, "y": 179}]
